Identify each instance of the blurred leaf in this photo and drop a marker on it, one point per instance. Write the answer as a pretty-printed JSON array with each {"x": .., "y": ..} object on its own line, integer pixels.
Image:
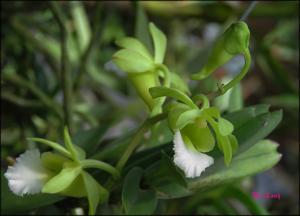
[
  {"x": 261, "y": 156},
  {"x": 141, "y": 26},
  {"x": 12, "y": 204},
  {"x": 257, "y": 129},
  {"x": 240, "y": 117},
  {"x": 284, "y": 100},
  {"x": 166, "y": 179},
  {"x": 90, "y": 139},
  {"x": 135, "y": 200},
  {"x": 82, "y": 25}
]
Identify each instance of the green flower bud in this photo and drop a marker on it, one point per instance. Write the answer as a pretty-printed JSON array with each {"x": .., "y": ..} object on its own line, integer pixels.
[
  {"x": 142, "y": 68},
  {"x": 234, "y": 41}
]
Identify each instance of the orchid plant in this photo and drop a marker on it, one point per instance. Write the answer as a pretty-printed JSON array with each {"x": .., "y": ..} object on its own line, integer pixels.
[{"x": 196, "y": 125}]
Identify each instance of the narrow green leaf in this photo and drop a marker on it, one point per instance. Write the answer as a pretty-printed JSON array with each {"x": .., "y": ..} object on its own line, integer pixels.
[
  {"x": 95, "y": 192},
  {"x": 160, "y": 43},
  {"x": 82, "y": 26},
  {"x": 62, "y": 180},
  {"x": 53, "y": 145}
]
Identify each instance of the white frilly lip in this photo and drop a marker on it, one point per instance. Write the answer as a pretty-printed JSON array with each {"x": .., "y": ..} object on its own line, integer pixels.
[
  {"x": 27, "y": 175},
  {"x": 192, "y": 163}
]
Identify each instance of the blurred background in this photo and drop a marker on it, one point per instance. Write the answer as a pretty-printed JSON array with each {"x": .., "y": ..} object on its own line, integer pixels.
[{"x": 104, "y": 100}]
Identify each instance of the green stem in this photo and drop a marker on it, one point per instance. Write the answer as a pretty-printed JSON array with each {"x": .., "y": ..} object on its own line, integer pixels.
[
  {"x": 20, "y": 101},
  {"x": 238, "y": 78},
  {"x": 136, "y": 139},
  {"x": 166, "y": 83},
  {"x": 89, "y": 49},
  {"x": 36, "y": 91},
  {"x": 90, "y": 163},
  {"x": 134, "y": 143},
  {"x": 65, "y": 65}
]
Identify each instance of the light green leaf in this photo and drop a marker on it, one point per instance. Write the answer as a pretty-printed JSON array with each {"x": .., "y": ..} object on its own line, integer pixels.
[
  {"x": 95, "y": 192},
  {"x": 132, "y": 62},
  {"x": 160, "y": 43},
  {"x": 171, "y": 92},
  {"x": 261, "y": 156},
  {"x": 225, "y": 126},
  {"x": 135, "y": 200},
  {"x": 53, "y": 145},
  {"x": 134, "y": 45},
  {"x": 62, "y": 180}
]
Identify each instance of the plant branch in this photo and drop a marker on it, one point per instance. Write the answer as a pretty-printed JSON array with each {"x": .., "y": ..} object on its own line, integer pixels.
[
  {"x": 134, "y": 144},
  {"x": 36, "y": 91},
  {"x": 66, "y": 80}
]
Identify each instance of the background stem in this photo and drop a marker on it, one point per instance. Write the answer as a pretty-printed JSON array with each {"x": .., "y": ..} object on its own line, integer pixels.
[{"x": 66, "y": 81}]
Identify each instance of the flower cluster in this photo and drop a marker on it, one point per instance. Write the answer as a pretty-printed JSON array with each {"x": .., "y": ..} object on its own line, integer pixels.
[
  {"x": 196, "y": 130},
  {"x": 197, "y": 126}
]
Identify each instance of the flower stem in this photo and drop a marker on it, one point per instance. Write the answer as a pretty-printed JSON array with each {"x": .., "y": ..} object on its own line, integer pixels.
[
  {"x": 136, "y": 139},
  {"x": 90, "y": 163},
  {"x": 134, "y": 143}
]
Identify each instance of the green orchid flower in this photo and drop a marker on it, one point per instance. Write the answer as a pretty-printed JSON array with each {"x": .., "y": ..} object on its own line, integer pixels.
[
  {"x": 196, "y": 131},
  {"x": 143, "y": 69},
  {"x": 62, "y": 172}
]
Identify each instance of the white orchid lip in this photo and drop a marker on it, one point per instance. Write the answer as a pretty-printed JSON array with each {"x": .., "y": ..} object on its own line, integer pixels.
[
  {"x": 27, "y": 175},
  {"x": 191, "y": 162}
]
